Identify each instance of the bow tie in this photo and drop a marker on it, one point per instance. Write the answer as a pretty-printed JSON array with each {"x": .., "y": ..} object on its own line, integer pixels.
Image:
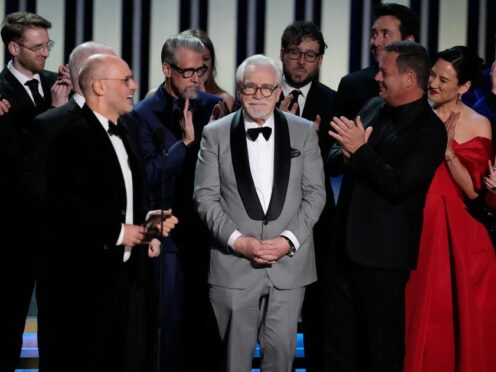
[
  {"x": 254, "y": 132},
  {"x": 118, "y": 129}
]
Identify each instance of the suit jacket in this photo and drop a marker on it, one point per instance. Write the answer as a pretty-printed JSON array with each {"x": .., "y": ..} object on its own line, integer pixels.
[
  {"x": 384, "y": 185},
  {"x": 16, "y": 94},
  {"x": 85, "y": 270},
  {"x": 162, "y": 111},
  {"x": 226, "y": 199},
  {"x": 354, "y": 90}
]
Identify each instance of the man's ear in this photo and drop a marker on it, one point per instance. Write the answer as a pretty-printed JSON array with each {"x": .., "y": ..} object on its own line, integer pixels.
[
  {"x": 281, "y": 54},
  {"x": 410, "y": 38},
  {"x": 98, "y": 87},
  {"x": 167, "y": 70},
  {"x": 13, "y": 48}
]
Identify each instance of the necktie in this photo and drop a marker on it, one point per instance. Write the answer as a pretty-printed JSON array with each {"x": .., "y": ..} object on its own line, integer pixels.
[
  {"x": 33, "y": 87},
  {"x": 254, "y": 132},
  {"x": 295, "y": 93},
  {"x": 117, "y": 129}
]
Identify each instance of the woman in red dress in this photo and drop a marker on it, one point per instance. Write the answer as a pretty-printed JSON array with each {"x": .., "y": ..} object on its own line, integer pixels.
[{"x": 451, "y": 297}]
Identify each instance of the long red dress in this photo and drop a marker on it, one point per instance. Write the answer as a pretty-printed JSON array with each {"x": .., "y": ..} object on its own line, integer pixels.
[{"x": 451, "y": 297}]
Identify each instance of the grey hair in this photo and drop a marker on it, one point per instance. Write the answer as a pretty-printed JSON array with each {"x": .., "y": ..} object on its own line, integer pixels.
[
  {"x": 173, "y": 43},
  {"x": 80, "y": 54},
  {"x": 258, "y": 60}
]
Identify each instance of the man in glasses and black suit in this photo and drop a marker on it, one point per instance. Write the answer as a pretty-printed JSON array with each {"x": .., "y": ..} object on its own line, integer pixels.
[{"x": 171, "y": 122}]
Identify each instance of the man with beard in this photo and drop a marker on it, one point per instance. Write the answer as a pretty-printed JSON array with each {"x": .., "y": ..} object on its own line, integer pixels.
[
  {"x": 172, "y": 121},
  {"x": 392, "y": 22},
  {"x": 27, "y": 90},
  {"x": 259, "y": 187},
  {"x": 302, "y": 52}
]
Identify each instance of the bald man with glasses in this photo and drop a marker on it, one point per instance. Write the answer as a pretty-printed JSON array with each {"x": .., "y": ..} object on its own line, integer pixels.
[{"x": 171, "y": 121}]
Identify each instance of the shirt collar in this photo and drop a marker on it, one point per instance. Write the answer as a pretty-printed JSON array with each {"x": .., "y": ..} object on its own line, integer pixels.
[
  {"x": 249, "y": 123},
  {"x": 80, "y": 100},
  {"x": 287, "y": 89},
  {"x": 23, "y": 79},
  {"x": 103, "y": 120}
]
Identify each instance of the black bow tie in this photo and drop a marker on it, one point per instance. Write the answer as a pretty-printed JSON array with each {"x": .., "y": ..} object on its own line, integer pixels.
[
  {"x": 118, "y": 129},
  {"x": 254, "y": 132}
]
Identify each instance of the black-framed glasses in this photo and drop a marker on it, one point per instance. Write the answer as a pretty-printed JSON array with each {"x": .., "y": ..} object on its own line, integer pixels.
[
  {"x": 38, "y": 48},
  {"x": 189, "y": 72},
  {"x": 296, "y": 54},
  {"x": 127, "y": 80},
  {"x": 251, "y": 89}
]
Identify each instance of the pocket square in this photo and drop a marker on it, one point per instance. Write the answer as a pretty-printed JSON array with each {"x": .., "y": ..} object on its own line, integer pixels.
[{"x": 295, "y": 153}]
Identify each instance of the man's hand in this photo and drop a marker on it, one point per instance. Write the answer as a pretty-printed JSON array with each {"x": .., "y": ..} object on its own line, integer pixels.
[
  {"x": 62, "y": 88},
  {"x": 154, "y": 248},
  {"x": 186, "y": 123},
  {"x": 274, "y": 249},
  {"x": 351, "y": 136},
  {"x": 284, "y": 107},
  {"x": 133, "y": 235},
  {"x": 252, "y": 249},
  {"x": 168, "y": 223},
  {"x": 4, "y": 106}
]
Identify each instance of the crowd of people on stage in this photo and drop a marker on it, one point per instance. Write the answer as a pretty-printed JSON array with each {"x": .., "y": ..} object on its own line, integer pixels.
[{"x": 177, "y": 233}]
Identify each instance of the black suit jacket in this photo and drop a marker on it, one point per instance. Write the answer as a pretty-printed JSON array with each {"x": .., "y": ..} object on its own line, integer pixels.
[
  {"x": 354, "y": 90},
  {"x": 16, "y": 94},
  {"x": 384, "y": 185},
  {"x": 87, "y": 200}
]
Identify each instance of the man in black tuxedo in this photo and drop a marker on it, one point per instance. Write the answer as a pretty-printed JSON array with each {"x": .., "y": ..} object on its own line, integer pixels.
[
  {"x": 27, "y": 90},
  {"x": 387, "y": 170},
  {"x": 302, "y": 52},
  {"x": 97, "y": 270},
  {"x": 391, "y": 22},
  {"x": 24, "y": 82}
]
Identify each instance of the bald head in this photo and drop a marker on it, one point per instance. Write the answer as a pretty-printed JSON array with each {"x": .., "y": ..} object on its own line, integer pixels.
[
  {"x": 80, "y": 54},
  {"x": 107, "y": 85}
]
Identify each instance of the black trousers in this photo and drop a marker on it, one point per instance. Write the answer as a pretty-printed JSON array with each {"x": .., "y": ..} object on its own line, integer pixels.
[{"x": 365, "y": 319}]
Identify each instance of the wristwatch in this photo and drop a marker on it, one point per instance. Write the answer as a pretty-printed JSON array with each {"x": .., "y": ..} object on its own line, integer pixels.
[{"x": 292, "y": 248}]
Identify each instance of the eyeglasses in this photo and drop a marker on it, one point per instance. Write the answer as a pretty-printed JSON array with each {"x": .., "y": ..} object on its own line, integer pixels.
[
  {"x": 251, "y": 90},
  {"x": 189, "y": 72},
  {"x": 38, "y": 48},
  {"x": 126, "y": 80},
  {"x": 296, "y": 54}
]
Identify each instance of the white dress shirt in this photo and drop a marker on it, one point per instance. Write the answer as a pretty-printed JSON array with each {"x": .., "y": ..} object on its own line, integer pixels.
[
  {"x": 121, "y": 153},
  {"x": 23, "y": 79},
  {"x": 302, "y": 98},
  {"x": 261, "y": 160}
]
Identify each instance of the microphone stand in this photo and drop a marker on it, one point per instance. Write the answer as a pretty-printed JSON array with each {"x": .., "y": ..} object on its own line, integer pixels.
[{"x": 163, "y": 158}]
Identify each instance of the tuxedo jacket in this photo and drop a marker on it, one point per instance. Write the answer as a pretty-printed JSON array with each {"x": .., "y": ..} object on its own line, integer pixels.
[
  {"x": 161, "y": 111},
  {"x": 16, "y": 94},
  {"x": 385, "y": 182},
  {"x": 354, "y": 90},
  {"x": 226, "y": 199},
  {"x": 87, "y": 205}
]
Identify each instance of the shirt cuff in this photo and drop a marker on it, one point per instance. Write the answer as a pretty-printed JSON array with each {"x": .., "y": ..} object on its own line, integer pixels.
[
  {"x": 288, "y": 234},
  {"x": 235, "y": 235},
  {"x": 121, "y": 236}
]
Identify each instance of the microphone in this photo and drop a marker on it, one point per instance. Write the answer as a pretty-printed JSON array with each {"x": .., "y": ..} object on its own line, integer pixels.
[{"x": 158, "y": 137}]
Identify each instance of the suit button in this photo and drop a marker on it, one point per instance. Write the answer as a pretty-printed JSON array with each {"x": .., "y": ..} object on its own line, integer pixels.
[
  {"x": 265, "y": 222},
  {"x": 105, "y": 247},
  {"x": 123, "y": 212}
]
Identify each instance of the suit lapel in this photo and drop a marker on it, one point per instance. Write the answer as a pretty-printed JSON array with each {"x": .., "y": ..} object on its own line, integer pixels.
[
  {"x": 108, "y": 155},
  {"x": 312, "y": 103},
  {"x": 241, "y": 166},
  {"x": 282, "y": 165}
]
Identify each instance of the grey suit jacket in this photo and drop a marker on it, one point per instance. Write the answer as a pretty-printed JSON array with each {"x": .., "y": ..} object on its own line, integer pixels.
[{"x": 226, "y": 199}]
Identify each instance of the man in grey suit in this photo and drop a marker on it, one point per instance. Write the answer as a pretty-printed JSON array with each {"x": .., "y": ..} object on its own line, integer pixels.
[{"x": 259, "y": 187}]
